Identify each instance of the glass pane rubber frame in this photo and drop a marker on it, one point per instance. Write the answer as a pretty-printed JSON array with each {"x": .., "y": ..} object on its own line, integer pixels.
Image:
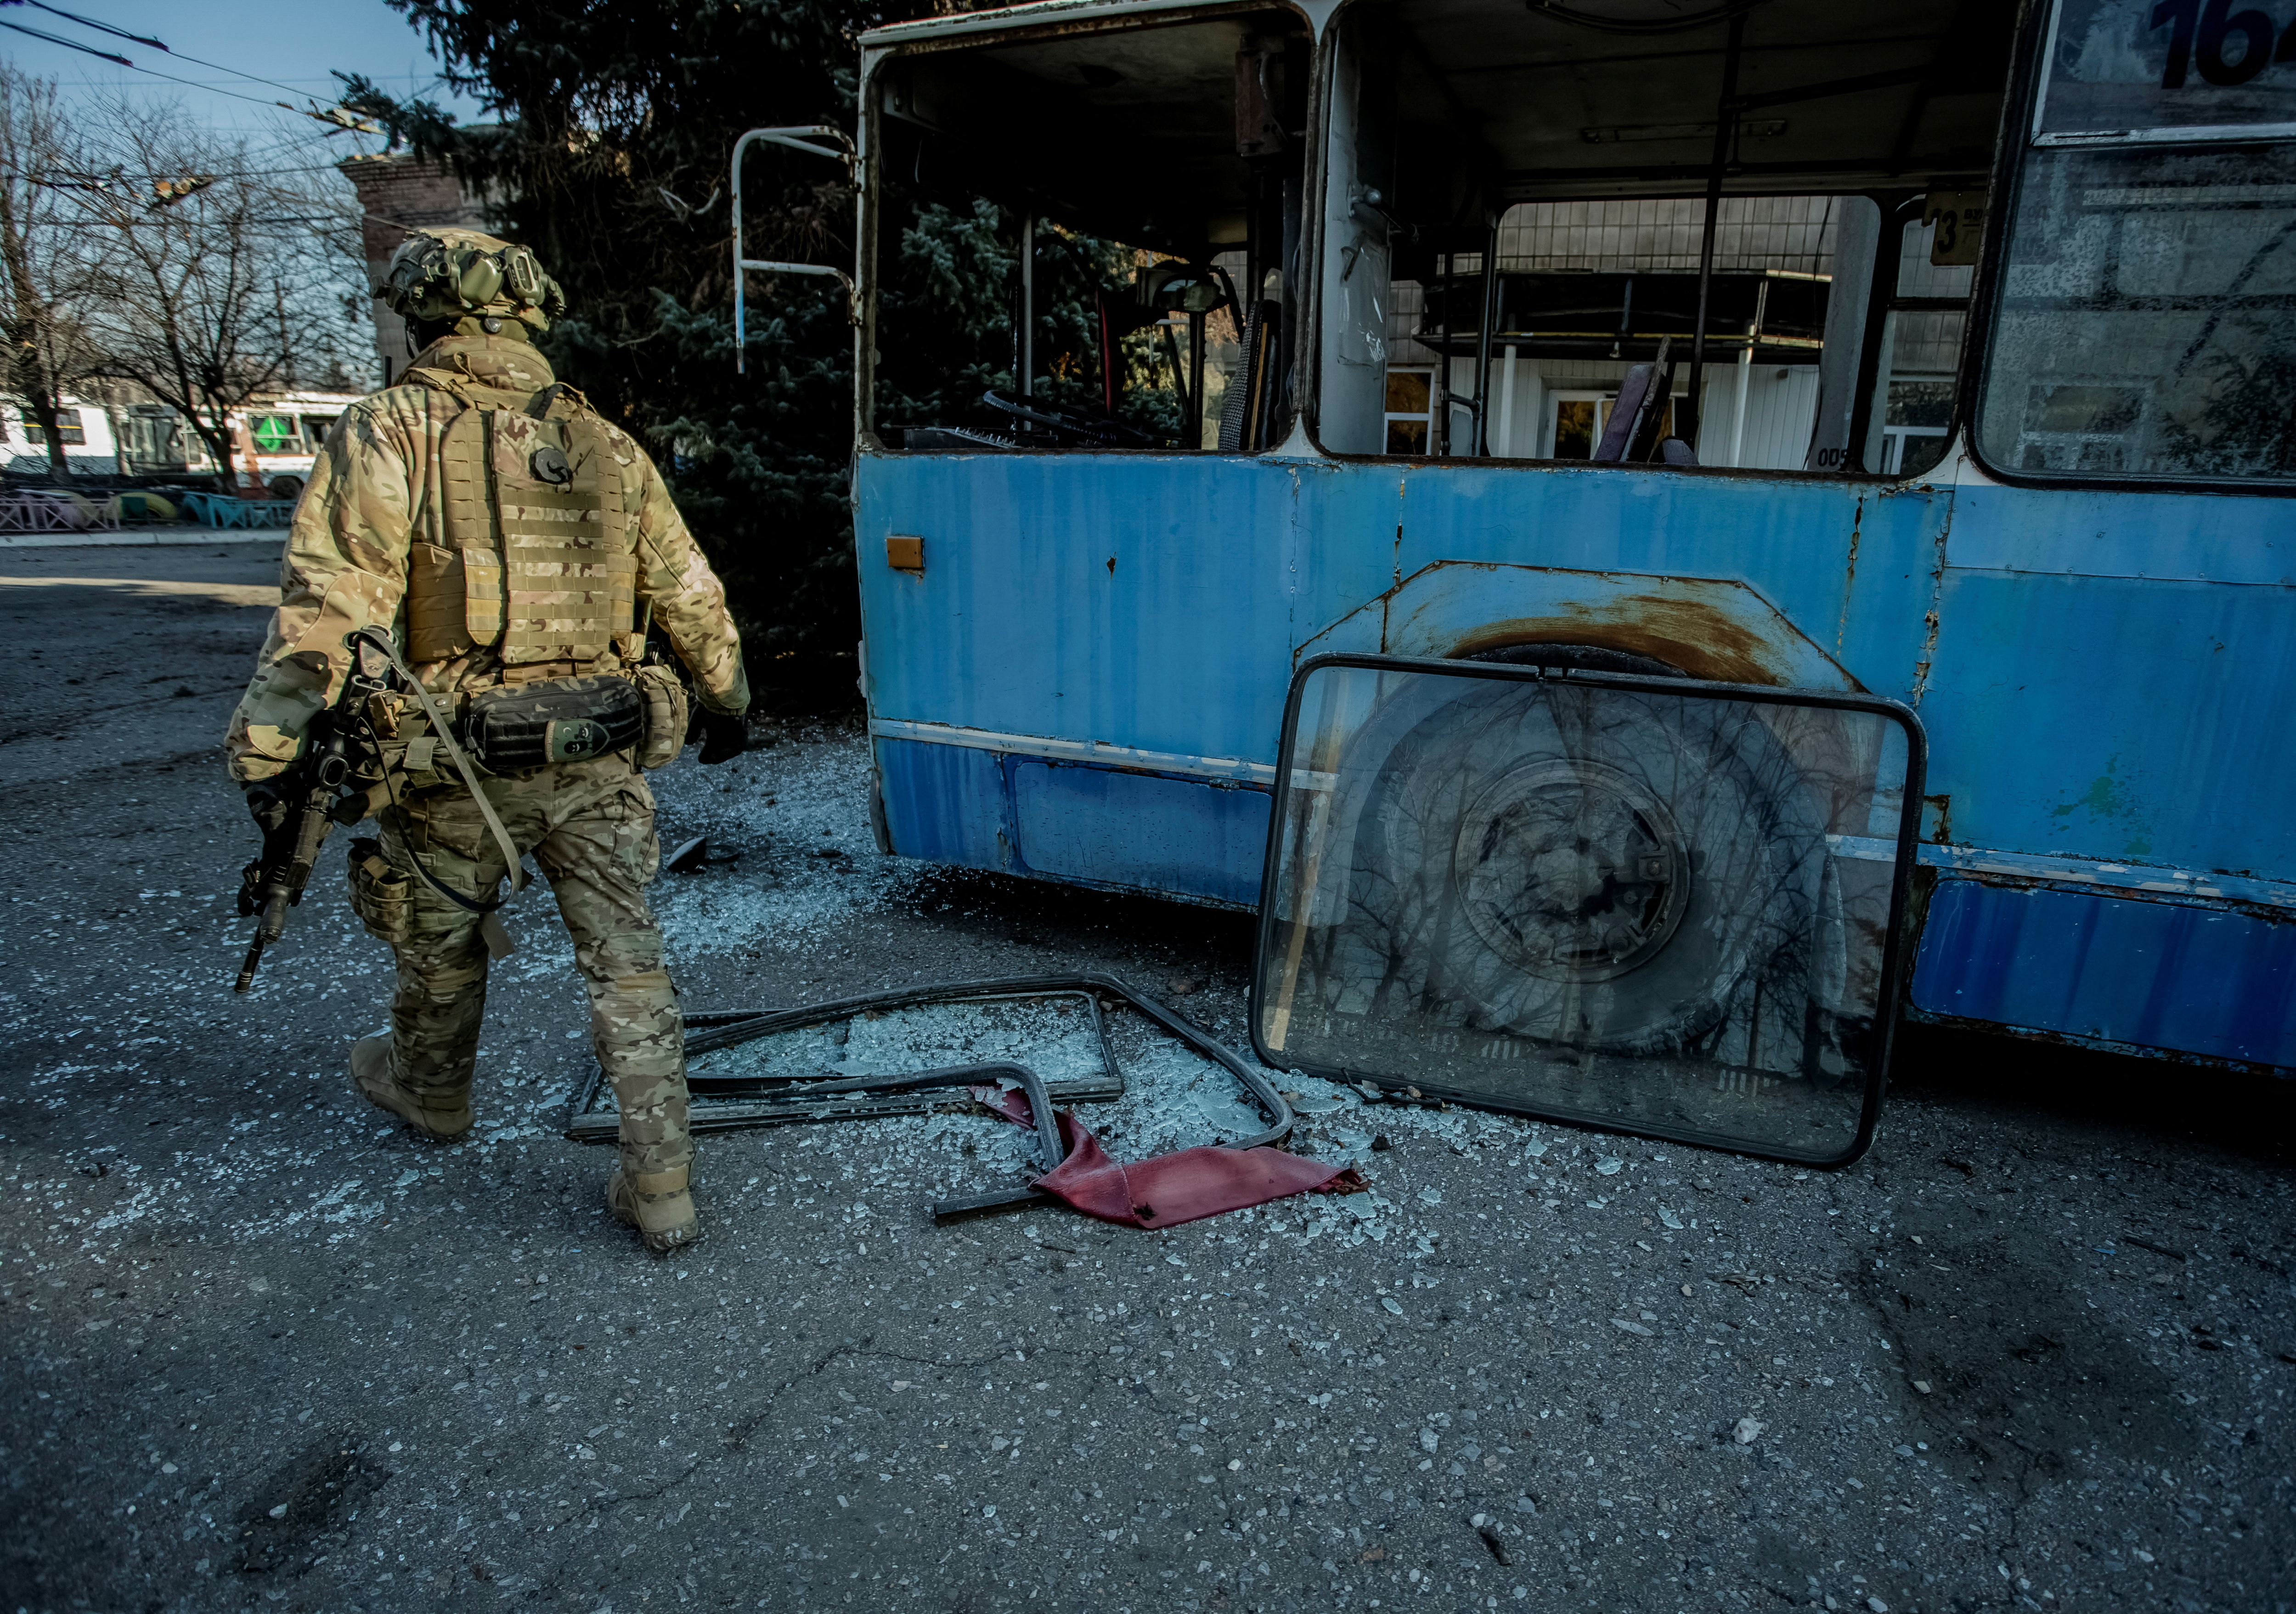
[{"x": 1657, "y": 906}]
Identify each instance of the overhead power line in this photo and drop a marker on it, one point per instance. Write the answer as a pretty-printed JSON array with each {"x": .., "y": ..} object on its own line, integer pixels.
[
  {"x": 157, "y": 44},
  {"x": 100, "y": 28},
  {"x": 210, "y": 88},
  {"x": 335, "y": 115},
  {"x": 86, "y": 50},
  {"x": 89, "y": 50}
]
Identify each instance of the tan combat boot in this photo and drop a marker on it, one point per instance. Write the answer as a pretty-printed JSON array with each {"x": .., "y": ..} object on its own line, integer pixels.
[
  {"x": 443, "y": 1116},
  {"x": 658, "y": 1204}
]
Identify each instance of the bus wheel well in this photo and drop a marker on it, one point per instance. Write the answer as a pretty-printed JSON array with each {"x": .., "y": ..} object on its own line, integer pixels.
[{"x": 1585, "y": 658}]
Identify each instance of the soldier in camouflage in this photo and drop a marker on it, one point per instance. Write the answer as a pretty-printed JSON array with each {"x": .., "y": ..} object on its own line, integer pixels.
[{"x": 509, "y": 537}]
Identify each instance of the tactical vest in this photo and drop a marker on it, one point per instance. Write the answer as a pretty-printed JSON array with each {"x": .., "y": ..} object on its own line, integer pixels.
[{"x": 537, "y": 564}]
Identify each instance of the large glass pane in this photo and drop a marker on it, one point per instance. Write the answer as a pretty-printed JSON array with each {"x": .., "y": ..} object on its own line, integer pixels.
[
  {"x": 1629, "y": 902},
  {"x": 2143, "y": 327},
  {"x": 2142, "y": 324}
]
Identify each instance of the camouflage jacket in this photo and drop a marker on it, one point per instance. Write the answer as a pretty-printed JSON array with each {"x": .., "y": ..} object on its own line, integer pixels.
[{"x": 375, "y": 492}]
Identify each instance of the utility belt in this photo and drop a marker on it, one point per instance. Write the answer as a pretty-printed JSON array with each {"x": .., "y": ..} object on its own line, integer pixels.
[
  {"x": 509, "y": 728},
  {"x": 532, "y": 725},
  {"x": 516, "y": 727}
]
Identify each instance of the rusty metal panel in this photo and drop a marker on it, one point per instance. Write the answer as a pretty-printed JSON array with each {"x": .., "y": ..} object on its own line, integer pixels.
[
  {"x": 2103, "y": 676},
  {"x": 2091, "y": 532},
  {"x": 1843, "y": 570},
  {"x": 1717, "y": 628},
  {"x": 1140, "y": 831},
  {"x": 1138, "y": 600}
]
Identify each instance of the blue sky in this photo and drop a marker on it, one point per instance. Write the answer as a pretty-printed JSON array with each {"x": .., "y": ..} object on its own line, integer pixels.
[{"x": 294, "y": 46}]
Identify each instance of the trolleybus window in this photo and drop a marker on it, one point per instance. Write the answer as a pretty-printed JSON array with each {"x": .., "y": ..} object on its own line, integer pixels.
[
  {"x": 2141, "y": 327},
  {"x": 1573, "y": 148},
  {"x": 1586, "y": 290},
  {"x": 67, "y": 427},
  {"x": 1090, "y": 242}
]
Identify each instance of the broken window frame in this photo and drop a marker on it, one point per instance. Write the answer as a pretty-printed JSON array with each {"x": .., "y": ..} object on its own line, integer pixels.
[
  {"x": 1312, "y": 299},
  {"x": 710, "y": 1030},
  {"x": 813, "y": 1099},
  {"x": 1894, "y": 963},
  {"x": 994, "y": 31}
]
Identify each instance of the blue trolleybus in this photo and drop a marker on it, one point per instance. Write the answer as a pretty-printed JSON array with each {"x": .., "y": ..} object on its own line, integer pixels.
[{"x": 1934, "y": 353}]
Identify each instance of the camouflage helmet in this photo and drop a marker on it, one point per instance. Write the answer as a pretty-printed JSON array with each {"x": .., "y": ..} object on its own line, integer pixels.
[{"x": 443, "y": 274}]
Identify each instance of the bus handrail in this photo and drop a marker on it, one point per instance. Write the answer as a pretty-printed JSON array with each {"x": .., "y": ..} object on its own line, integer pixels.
[{"x": 798, "y": 137}]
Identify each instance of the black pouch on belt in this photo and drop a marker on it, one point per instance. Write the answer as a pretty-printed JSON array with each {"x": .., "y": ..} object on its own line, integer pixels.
[{"x": 561, "y": 720}]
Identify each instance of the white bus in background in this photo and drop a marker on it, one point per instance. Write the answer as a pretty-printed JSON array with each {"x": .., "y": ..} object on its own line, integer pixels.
[
  {"x": 284, "y": 434},
  {"x": 89, "y": 446},
  {"x": 280, "y": 436}
]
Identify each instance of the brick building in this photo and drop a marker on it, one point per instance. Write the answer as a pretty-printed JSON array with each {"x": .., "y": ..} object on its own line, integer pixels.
[{"x": 399, "y": 192}]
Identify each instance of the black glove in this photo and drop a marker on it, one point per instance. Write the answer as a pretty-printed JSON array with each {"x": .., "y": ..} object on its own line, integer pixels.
[
  {"x": 723, "y": 738},
  {"x": 265, "y": 804}
]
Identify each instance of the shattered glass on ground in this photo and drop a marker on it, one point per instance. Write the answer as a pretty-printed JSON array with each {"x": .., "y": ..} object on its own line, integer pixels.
[
  {"x": 798, "y": 816},
  {"x": 268, "y": 1349}
]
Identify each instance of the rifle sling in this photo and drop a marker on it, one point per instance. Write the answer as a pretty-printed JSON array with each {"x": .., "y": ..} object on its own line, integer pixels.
[{"x": 446, "y": 735}]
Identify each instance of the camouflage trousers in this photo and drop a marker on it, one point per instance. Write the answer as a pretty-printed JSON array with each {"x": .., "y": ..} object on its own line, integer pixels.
[{"x": 589, "y": 826}]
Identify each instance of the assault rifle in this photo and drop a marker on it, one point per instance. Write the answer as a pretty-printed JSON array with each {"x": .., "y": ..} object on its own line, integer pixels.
[{"x": 320, "y": 791}]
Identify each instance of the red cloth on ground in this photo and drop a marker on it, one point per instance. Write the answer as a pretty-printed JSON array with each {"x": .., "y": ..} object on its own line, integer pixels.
[{"x": 1170, "y": 1189}]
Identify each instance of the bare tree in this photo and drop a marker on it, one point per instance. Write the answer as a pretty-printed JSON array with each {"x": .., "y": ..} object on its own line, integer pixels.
[
  {"x": 44, "y": 253},
  {"x": 228, "y": 275}
]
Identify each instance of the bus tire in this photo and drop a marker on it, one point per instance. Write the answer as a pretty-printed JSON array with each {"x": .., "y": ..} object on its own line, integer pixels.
[{"x": 1603, "y": 869}]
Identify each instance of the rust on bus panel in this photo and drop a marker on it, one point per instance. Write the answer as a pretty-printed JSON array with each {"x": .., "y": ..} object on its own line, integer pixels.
[
  {"x": 1700, "y": 636},
  {"x": 1720, "y": 629}
]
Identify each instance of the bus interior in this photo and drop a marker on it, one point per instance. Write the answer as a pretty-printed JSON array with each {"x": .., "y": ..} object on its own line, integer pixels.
[
  {"x": 1574, "y": 150},
  {"x": 1731, "y": 212},
  {"x": 1759, "y": 224},
  {"x": 1143, "y": 188}
]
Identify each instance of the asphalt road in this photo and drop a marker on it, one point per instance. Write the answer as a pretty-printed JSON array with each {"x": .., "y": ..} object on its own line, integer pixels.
[{"x": 264, "y": 1349}]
